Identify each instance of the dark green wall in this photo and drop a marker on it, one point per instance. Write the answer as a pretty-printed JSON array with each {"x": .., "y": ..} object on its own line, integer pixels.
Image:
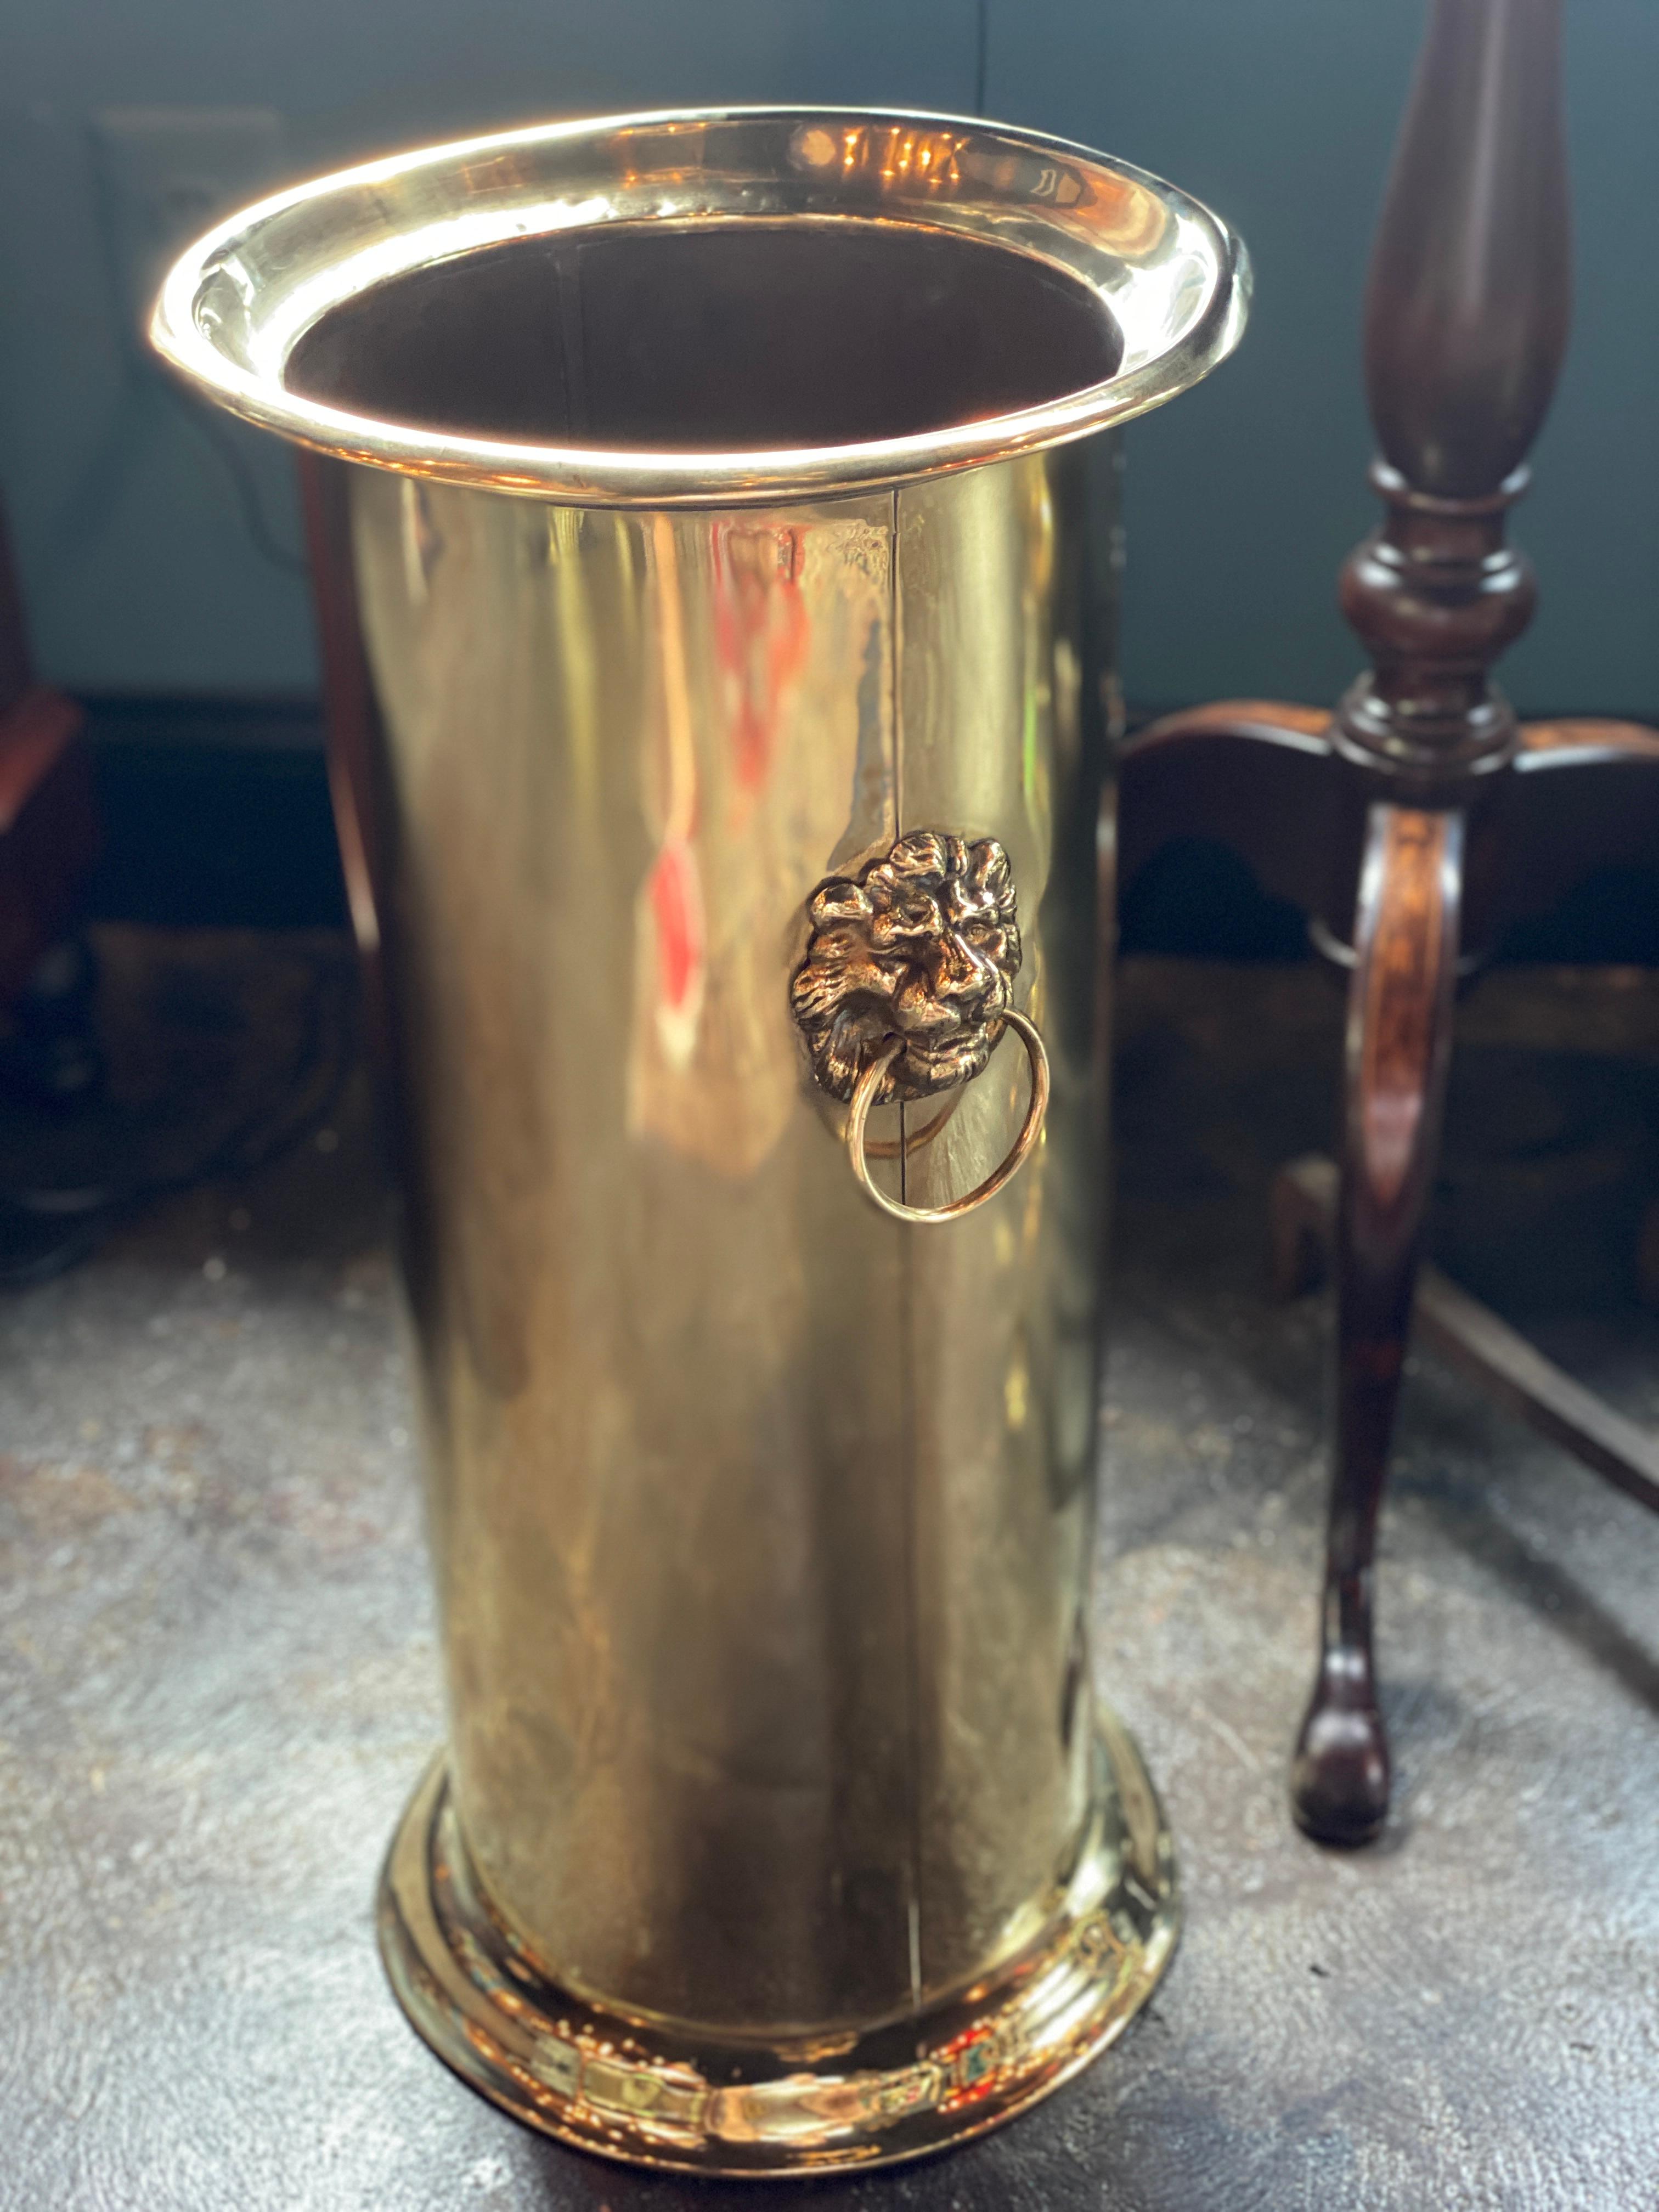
[
  {"x": 1243, "y": 498},
  {"x": 141, "y": 574}
]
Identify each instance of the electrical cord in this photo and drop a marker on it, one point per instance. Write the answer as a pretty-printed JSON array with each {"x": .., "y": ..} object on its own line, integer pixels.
[
  {"x": 31, "y": 1252},
  {"x": 221, "y": 439}
]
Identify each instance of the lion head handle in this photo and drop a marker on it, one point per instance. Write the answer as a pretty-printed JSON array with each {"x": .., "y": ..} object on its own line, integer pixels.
[{"x": 923, "y": 945}]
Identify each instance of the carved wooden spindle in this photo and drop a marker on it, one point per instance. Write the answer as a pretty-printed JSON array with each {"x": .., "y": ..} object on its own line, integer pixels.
[
  {"x": 1466, "y": 322},
  {"x": 1419, "y": 784}
]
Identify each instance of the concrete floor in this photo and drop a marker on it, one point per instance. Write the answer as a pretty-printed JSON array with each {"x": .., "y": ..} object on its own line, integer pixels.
[{"x": 218, "y": 1682}]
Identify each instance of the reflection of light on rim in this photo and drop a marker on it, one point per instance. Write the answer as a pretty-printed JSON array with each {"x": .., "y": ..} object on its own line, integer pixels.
[{"x": 1174, "y": 279}]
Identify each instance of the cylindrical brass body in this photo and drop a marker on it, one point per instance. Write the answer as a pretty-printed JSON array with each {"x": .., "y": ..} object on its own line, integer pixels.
[
  {"x": 761, "y": 1522},
  {"x": 777, "y": 1827}
]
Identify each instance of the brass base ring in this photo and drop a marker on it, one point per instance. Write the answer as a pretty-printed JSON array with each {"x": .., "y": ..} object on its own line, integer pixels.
[
  {"x": 864, "y": 1097},
  {"x": 710, "y": 2100}
]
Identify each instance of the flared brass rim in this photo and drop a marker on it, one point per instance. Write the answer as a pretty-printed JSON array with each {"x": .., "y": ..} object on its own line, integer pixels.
[
  {"x": 666, "y": 2095},
  {"x": 1175, "y": 279}
]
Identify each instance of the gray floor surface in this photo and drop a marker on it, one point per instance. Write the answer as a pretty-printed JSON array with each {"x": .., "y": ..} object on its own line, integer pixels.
[{"x": 218, "y": 1681}]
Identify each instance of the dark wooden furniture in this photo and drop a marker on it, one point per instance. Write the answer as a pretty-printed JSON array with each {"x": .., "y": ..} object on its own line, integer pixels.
[
  {"x": 1469, "y": 1336},
  {"x": 1417, "y": 821},
  {"x": 48, "y": 822}
]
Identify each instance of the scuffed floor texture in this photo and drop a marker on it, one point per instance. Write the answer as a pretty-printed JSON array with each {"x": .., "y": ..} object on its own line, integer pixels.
[{"x": 218, "y": 1678}]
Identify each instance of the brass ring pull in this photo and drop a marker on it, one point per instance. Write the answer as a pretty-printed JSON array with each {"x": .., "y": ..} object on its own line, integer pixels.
[{"x": 864, "y": 1096}]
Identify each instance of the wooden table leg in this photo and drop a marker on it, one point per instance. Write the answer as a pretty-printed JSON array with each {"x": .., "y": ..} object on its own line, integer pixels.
[
  {"x": 1467, "y": 311},
  {"x": 1399, "y": 1041}
]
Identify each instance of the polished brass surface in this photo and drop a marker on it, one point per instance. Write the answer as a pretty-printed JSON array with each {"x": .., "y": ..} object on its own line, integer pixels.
[
  {"x": 500, "y": 364},
  {"x": 675, "y": 1411},
  {"x": 868, "y": 1089},
  {"x": 632, "y": 2088},
  {"x": 761, "y": 1530}
]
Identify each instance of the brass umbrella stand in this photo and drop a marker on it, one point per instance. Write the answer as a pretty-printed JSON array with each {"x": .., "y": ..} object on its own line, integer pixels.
[{"x": 702, "y": 527}]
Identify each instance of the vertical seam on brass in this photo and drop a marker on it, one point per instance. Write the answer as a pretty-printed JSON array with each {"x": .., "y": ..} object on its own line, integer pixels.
[
  {"x": 906, "y": 1340},
  {"x": 895, "y": 639},
  {"x": 895, "y": 619}
]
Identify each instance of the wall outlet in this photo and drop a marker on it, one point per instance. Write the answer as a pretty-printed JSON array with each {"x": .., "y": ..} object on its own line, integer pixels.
[{"x": 165, "y": 174}]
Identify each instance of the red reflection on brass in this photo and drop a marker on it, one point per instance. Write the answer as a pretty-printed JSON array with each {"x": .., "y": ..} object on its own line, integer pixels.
[
  {"x": 674, "y": 887},
  {"x": 977, "y": 2065},
  {"x": 762, "y": 632},
  {"x": 676, "y": 908}
]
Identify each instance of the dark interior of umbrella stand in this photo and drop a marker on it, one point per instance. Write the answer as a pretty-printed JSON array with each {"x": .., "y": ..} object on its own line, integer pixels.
[{"x": 745, "y": 335}]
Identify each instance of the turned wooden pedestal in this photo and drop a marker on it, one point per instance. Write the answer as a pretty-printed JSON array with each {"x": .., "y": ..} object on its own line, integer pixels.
[{"x": 1417, "y": 821}]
